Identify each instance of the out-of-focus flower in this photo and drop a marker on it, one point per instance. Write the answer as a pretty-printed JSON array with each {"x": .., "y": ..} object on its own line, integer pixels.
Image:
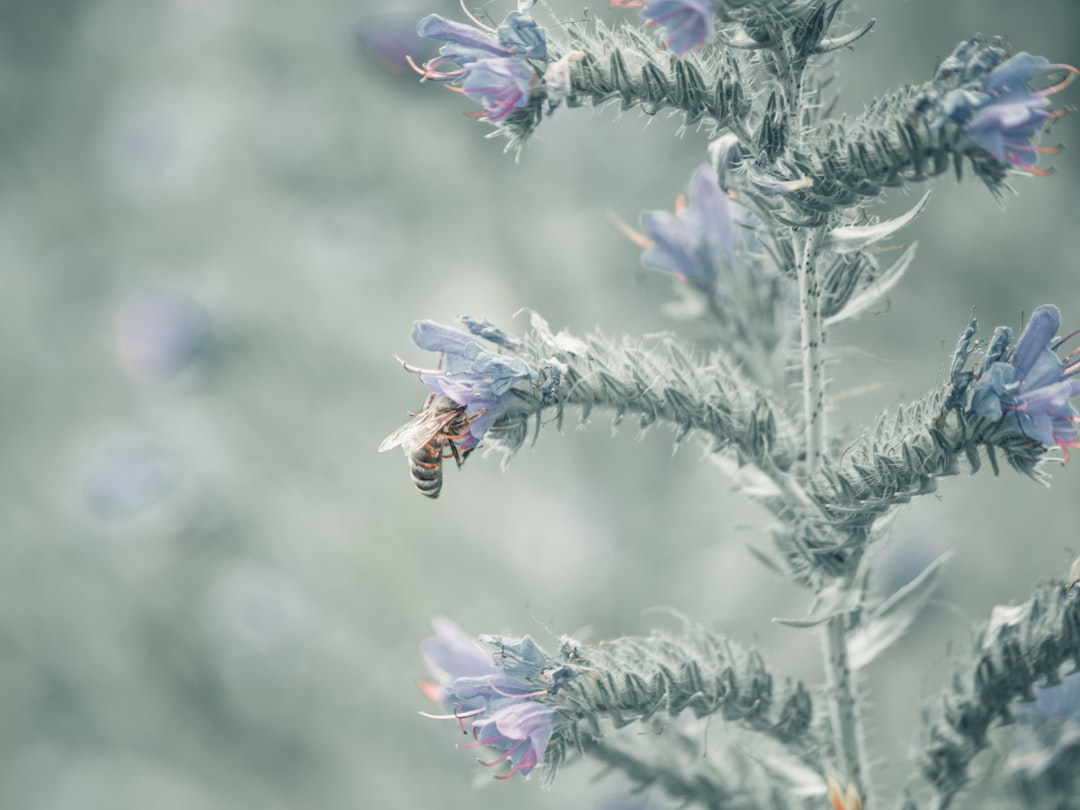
[
  {"x": 472, "y": 376},
  {"x": 491, "y": 66},
  {"x": 503, "y": 711},
  {"x": 688, "y": 24},
  {"x": 254, "y": 611},
  {"x": 1031, "y": 390},
  {"x": 694, "y": 242},
  {"x": 127, "y": 479},
  {"x": 388, "y": 39},
  {"x": 991, "y": 99},
  {"x": 1046, "y": 743},
  {"x": 158, "y": 334}
]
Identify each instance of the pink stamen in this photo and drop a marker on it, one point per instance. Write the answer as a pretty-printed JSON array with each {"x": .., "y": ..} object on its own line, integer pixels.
[
  {"x": 529, "y": 759},
  {"x": 424, "y": 71},
  {"x": 504, "y": 757},
  {"x": 626, "y": 3},
  {"x": 1065, "y": 450},
  {"x": 639, "y": 239},
  {"x": 527, "y": 762},
  {"x": 427, "y": 70},
  {"x": 1069, "y": 76},
  {"x": 680, "y": 204},
  {"x": 1016, "y": 161}
]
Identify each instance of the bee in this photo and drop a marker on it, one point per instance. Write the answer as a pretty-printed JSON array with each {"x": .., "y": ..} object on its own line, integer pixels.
[{"x": 430, "y": 436}]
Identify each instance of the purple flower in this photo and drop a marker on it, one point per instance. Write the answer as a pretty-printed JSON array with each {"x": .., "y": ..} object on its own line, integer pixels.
[
  {"x": 523, "y": 36},
  {"x": 997, "y": 108},
  {"x": 500, "y": 85},
  {"x": 1031, "y": 390},
  {"x": 688, "y": 23},
  {"x": 490, "y": 66},
  {"x": 464, "y": 43},
  {"x": 472, "y": 376},
  {"x": 502, "y": 710},
  {"x": 697, "y": 239}
]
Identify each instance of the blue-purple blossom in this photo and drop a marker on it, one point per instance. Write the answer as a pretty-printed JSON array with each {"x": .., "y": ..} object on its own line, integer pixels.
[
  {"x": 1046, "y": 740},
  {"x": 502, "y": 711},
  {"x": 499, "y": 85},
  {"x": 1030, "y": 391},
  {"x": 698, "y": 239},
  {"x": 472, "y": 376},
  {"x": 490, "y": 66},
  {"x": 688, "y": 24},
  {"x": 523, "y": 36},
  {"x": 996, "y": 106}
]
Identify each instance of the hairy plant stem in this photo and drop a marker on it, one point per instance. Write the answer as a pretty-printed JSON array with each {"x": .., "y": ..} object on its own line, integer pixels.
[
  {"x": 846, "y": 723},
  {"x": 847, "y": 732},
  {"x": 812, "y": 338}
]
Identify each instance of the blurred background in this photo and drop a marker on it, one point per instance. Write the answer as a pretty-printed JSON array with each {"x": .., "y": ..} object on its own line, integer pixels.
[{"x": 218, "y": 220}]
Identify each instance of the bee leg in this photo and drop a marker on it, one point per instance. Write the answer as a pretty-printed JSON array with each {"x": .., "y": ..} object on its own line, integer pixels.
[{"x": 458, "y": 456}]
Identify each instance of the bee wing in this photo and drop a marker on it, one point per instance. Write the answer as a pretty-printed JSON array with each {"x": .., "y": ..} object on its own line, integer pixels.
[{"x": 419, "y": 430}]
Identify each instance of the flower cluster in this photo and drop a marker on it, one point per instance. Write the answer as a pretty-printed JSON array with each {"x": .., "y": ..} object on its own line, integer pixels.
[
  {"x": 487, "y": 690},
  {"x": 493, "y": 66},
  {"x": 473, "y": 377},
  {"x": 1030, "y": 392},
  {"x": 688, "y": 24},
  {"x": 990, "y": 98}
]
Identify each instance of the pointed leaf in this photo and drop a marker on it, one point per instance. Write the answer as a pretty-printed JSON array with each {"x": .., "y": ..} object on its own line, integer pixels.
[
  {"x": 891, "y": 619},
  {"x": 848, "y": 238},
  {"x": 832, "y": 601},
  {"x": 877, "y": 290}
]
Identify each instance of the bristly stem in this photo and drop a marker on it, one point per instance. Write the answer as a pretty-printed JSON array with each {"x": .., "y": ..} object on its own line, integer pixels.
[
  {"x": 847, "y": 729},
  {"x": 847, "y": 733},
  {"x": 812, "y": 338}
]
